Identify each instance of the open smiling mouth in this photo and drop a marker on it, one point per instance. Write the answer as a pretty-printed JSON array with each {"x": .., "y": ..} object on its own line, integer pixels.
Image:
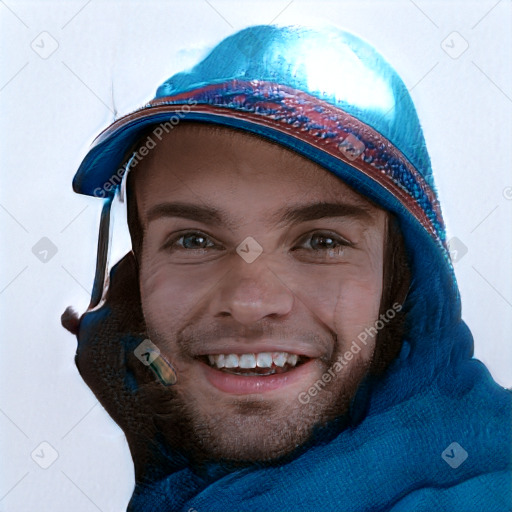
[
  {"x": 260, "y": 364},
  {"x": 257, "y": 372}
]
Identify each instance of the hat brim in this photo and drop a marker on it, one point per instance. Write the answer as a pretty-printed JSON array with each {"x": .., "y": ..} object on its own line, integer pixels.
[{"x": 325, "y": 134}]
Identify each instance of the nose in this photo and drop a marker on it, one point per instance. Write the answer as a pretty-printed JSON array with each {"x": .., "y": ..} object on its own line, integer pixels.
[{"x": 251, "y": 292}]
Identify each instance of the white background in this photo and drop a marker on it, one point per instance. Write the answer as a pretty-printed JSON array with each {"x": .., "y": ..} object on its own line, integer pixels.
[{"x": 53, "y": 107}]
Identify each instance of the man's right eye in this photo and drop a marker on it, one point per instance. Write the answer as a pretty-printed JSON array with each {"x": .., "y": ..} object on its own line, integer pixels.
[{"x": 192, "y": 240}]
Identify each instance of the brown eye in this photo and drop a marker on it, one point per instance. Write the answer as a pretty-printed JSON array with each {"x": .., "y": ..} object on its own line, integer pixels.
[
  {"x": 322, "y": 247},
  {"x": 323, "y": 242},
  {"x": 319, "y": 242}
]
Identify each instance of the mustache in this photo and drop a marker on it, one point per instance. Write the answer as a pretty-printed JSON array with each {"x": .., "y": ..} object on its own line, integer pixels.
[{"x": 194, "y": 338}]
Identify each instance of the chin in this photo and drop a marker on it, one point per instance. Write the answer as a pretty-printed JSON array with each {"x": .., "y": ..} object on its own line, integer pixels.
[
  {"x": 251, "y": 437},
  {"x": 250, "y": 429}
]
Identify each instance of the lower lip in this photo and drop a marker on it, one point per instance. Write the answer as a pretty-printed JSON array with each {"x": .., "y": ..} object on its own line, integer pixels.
[{"x": 243, "y": 385}]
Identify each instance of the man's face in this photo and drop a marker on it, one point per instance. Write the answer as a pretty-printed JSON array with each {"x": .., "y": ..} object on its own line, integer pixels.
[{"x": 248, "y": 332}]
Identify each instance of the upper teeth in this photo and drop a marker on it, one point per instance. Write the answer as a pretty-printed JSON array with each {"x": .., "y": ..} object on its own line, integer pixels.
[{"x": 261, "y": 360}]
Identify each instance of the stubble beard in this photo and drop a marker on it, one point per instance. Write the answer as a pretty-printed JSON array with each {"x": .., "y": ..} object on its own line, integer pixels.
[{"x": 245, "y": 430}]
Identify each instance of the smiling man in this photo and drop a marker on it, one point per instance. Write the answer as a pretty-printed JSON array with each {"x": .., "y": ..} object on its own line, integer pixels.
[
  {"x": 285, "y": 333},
  {"x": 247, "y": 336}
]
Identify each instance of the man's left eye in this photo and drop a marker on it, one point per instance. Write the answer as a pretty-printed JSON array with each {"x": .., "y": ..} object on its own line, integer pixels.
[{"x": 320, "y": 241}]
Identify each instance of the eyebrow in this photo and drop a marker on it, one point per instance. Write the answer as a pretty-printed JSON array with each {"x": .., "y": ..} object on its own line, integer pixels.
[
  {"x": 288, "y": 215},
  {"x": 321, "y": 210},
  {"x": 205, "y": 214}
]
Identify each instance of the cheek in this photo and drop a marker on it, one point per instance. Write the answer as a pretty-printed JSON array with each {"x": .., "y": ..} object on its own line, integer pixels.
[
  {"x": 345, "y": 298},
  {"x": 171, "y": 295},
  {"x": 358, "y": 304},
  {"x": 357, "y": 307}
]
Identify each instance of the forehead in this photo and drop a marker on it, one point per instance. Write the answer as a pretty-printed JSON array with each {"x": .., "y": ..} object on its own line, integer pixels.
[{"x": 210, "y": 163}]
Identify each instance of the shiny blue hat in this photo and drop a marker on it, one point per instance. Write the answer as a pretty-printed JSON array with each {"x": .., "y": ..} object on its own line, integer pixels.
[{"x": 325, "y": 94}]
